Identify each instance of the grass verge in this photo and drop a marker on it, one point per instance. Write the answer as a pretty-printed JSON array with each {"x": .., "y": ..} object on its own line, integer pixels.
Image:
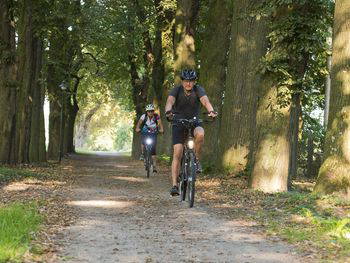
[
  {"x": 18, "y": 223},
  {"x": 318, "y": 225}
]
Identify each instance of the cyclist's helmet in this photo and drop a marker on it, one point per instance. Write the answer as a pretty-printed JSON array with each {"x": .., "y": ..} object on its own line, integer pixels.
[
  {"x": 188, "y": 74},
  {"x": 149, "y": 107}
]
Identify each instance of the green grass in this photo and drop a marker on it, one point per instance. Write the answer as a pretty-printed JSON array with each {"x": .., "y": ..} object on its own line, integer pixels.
[
  {"x": 302, "y": 217},
  {"x": 18, "y": 222}
]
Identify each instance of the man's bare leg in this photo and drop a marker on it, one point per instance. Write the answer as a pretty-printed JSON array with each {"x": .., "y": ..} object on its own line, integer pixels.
[
  {"x": 198, "y": 141},
  {"x": 175, "y": 166}
]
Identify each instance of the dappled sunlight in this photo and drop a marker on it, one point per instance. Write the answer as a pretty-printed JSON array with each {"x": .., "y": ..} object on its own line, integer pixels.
[
  {"x": 29, "y": 183},
  {"x": 236, "y": 157},
  {"x": 101, "y": 203},
  {"x": 16, "y": 187},
  {"x": 271, "y": 165},
  {"x": 242, "y": 44},
  {"x": 68, "y": 167},
  {"x": 121, "y": 166},
  {"x": 130, "y": 179}
]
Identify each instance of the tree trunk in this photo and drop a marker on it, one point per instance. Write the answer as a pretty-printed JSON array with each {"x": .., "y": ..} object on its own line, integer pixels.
[
  {"x": 327, "y": 92},
  {"x": 334, "y": 175},
  {"x": 37, "y": 148},
  {"x": 55, "y": 76},
  {"x": 294, "y": 123},
  {"x": 8, "y": 84},
  {"x": 214, "y": 56},
  {"x": 82, "y": 127},
  {"x": 166, "y": 20},
  {"x": 140, "y": 91},
  {"x": 184, "y": 40},
  {"x": 73, "y": 109},
  {"x": 248, "y": 46},
  {"x": 270, "y": 162},
  {"x": 310, "y": 171},
  {"x": 26, "y": 76}
]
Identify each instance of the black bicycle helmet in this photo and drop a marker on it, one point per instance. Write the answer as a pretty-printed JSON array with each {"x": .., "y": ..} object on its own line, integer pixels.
[{"x": 188, "y": 74}]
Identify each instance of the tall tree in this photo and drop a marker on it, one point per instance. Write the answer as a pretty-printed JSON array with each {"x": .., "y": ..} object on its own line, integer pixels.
[
  {"x": 30, "y": 96},
  {"x": 56, "y": 75},
  {"x": 184, "y": 39},
  {"x": 270, "y": 162},
  {"x": 334, "y": 174},
  {"x": 248, "y": 46},
  {"x": 37, "y": 147},
  {"x": 8, "y": 83},
  {"x": 214, "y": 56},
  {"x": 163, "y": 73},
  {"x": 63, "y": 47},
  {"x": 290, "y": 72}
]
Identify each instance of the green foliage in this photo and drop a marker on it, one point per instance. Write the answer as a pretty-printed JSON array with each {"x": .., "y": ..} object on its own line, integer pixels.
[
  {"x": 123, "y": 137},
  {"x": 18, "y": 223},
  {"x": 298, "y": 48},
  {"x": 107, "y": 126}
]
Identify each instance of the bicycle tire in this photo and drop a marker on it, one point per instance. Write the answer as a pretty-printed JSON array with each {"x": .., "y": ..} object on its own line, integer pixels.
[
  {"x": 183, "y": 182},
  {"x": 191, "y": 181},
  {"x": 148, "y": 164}
]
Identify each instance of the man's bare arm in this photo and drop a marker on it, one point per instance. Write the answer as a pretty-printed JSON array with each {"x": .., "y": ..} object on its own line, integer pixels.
[
  {"x": 206, "y": 103},
  {"x": 169, "y": 103}
]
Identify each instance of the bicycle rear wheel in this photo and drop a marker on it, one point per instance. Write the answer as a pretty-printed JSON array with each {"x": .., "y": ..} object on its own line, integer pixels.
[{"x": 191, "y": 181}]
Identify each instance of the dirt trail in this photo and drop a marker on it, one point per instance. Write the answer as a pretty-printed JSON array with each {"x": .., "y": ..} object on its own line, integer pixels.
[{"x": 125, "y": 217}]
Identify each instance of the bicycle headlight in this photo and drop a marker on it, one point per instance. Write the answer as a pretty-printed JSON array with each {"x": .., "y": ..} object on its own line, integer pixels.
[
  {"x": 149, "y": 141},
  {"x": 190, "y": 144}
]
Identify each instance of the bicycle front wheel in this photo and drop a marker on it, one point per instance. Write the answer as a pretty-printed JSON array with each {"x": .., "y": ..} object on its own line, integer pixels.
[
  {"x": 183, "y": 181},
  {"x": 149, "y": 164},
  {"x": 191, "y": 181}
]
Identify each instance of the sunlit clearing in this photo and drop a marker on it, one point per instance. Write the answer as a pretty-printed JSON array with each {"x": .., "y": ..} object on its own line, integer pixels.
[
  {"x": 130, "y": 179},
  {"x": 101, "y": 203}
]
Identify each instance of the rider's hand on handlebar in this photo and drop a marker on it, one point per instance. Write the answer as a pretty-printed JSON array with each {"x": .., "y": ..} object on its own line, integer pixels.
[
  {"x": 169, "y": 115},
  {"x": 212, "y": 114}
]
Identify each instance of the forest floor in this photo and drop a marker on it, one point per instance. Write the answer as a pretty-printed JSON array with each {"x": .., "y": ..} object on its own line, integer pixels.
[{"x": 102, "y": 208}]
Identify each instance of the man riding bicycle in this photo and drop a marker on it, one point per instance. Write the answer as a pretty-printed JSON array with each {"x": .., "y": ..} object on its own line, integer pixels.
[
  {"x": 149, "y": 124},
  {"x": 184, "y": 101}
]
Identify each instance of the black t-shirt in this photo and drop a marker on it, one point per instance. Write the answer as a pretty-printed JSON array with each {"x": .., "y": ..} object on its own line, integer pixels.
[{"x": 187, "y": 106}]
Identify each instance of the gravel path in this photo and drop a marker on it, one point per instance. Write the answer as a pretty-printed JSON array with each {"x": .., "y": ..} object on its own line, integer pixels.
[{"x": 125, "y": 217}]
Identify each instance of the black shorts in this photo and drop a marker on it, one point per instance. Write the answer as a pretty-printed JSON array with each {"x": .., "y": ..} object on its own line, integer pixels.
[
  {"x": 154, "y": 145},
  {"x": 179, "y": 133}
]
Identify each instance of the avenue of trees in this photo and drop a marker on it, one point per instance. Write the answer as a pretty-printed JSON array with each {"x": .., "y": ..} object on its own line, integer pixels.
[{"x": 265, "y": 65}]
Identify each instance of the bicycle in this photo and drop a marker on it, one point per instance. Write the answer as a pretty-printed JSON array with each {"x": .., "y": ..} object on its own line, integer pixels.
[
  {"x": 148, "y": 160},
  {"x": 188, "y": 162}
]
